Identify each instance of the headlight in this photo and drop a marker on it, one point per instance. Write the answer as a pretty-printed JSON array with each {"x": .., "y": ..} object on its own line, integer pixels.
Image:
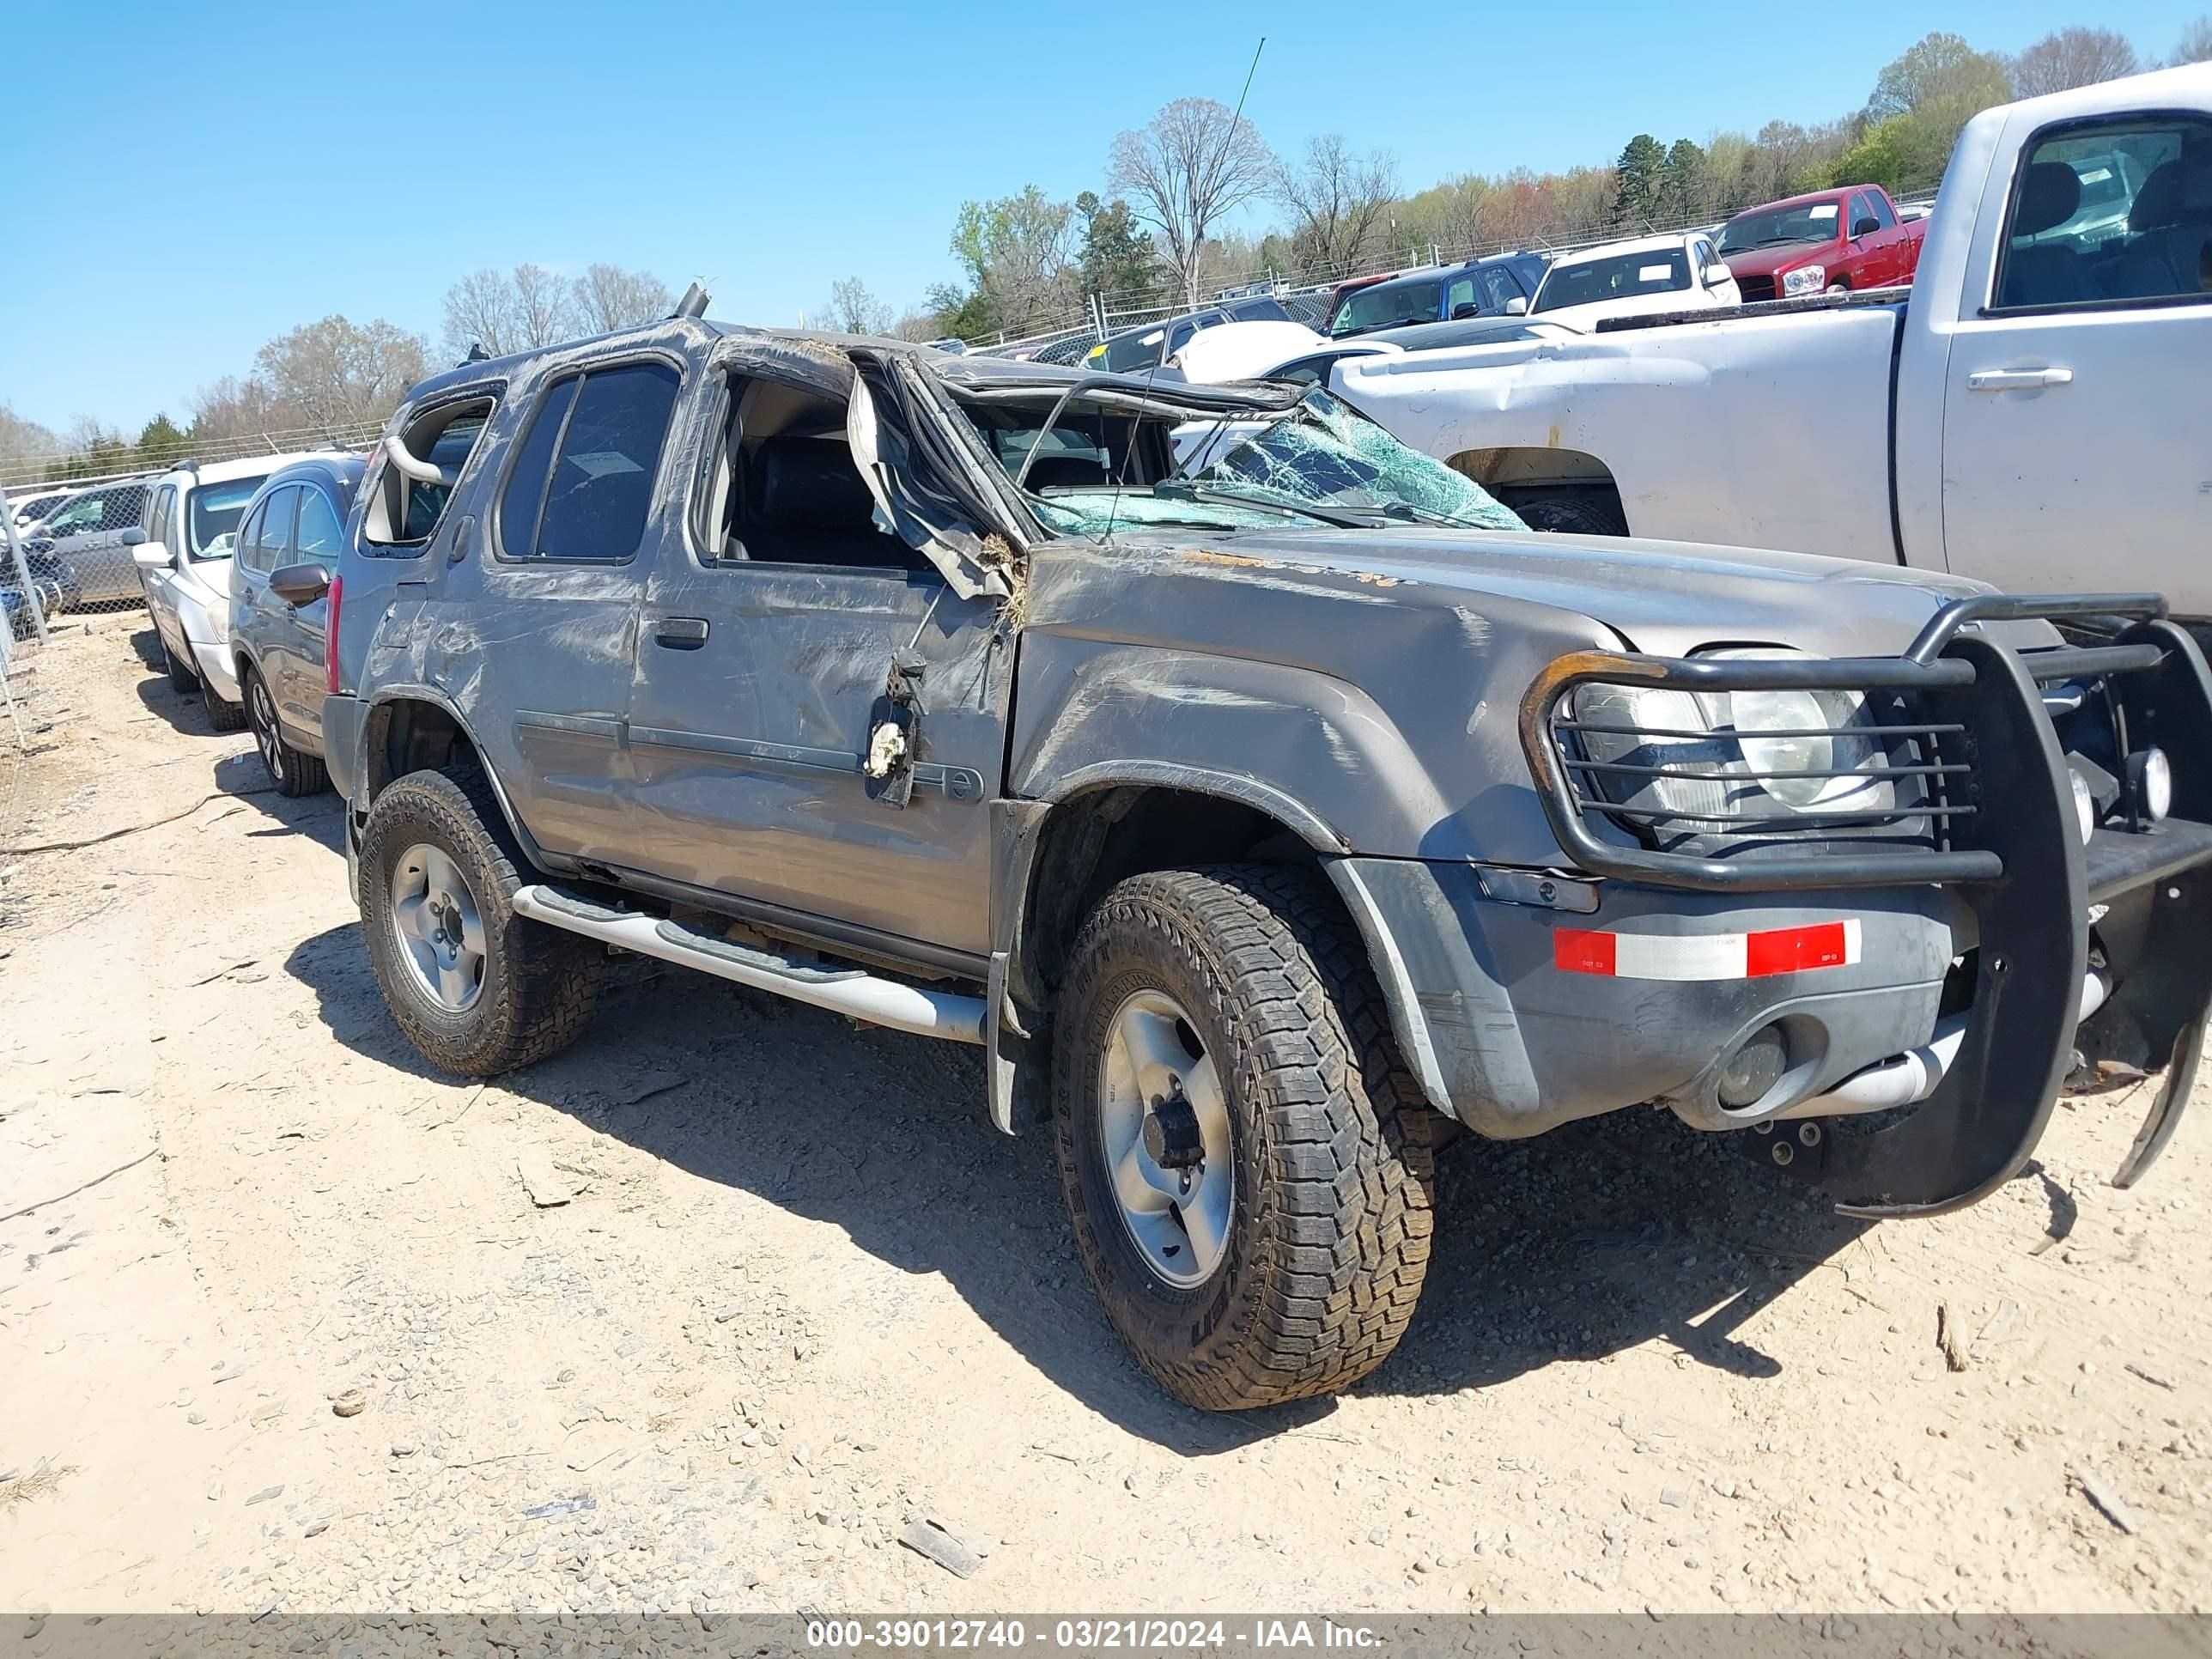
[
  {"x": 2085, "y": 806},
  {"x": 1708, "y": 756},
  {"x": 1806, "y": 279}
]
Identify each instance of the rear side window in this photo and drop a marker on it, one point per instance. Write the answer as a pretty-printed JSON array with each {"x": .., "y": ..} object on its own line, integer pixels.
[
  {"x": 404, "y": 513},
  {"x": 592, "y": 478},
  {"x": 123, "y": 508},
  {"x": 320, "y": 534}
]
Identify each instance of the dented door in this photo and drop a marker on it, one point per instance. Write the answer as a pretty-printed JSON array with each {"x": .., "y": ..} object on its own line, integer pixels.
[{"x": 756, "y": 693}]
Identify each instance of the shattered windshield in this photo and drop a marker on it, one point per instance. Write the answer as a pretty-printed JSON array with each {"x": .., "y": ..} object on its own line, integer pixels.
[{"x": 1317, "y": 464}]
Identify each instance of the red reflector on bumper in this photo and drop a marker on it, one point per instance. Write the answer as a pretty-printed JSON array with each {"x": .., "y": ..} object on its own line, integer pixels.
[{"x": 1705, "y": 956}]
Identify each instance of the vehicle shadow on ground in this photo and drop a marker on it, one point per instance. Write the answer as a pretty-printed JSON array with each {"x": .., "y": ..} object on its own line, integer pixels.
[
  {"x": 184, "y": 710},
  {"x": 319, "y": 817},
  {"x": 1596, "y": 1239}
]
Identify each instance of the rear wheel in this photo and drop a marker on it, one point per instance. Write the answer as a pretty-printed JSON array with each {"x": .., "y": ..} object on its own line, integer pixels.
[
  {"x": 292, "y": 772},
  {"x": 476, "y": 988},
  {"x": 1245, "y": 1161}
]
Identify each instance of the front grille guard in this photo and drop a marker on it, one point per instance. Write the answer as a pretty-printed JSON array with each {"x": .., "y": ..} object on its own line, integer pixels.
[
  {"x": 1959, "y": 703},
  {"x": 2022, "y": 870}
]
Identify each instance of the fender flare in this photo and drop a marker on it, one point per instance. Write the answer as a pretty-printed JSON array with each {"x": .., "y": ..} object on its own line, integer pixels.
[{"x": 417, "y": 692}]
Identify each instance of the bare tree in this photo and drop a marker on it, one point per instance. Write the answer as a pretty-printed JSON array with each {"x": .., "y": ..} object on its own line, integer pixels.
[
  {"x": 480, "y": 312},
  {"x": 1193, "y": 163},
  {"x": 339, "y": 372},
  {"x": 528, "y": 306},
  {"x": 1341, "y": 201},
  {"x": 236, "y": 407},
  {"x": 853, "y": 309},
  {"x": 2072, "y": 57},
  {"x": 543, "y": 306},
  {"x": 2195, "y": 45},
  {"x": 22, "y": 439},
  {"x": 607, "y": 298}
]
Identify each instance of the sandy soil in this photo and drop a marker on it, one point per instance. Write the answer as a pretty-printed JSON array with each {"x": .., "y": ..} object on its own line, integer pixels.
[{"x": 803, "y": 1296}]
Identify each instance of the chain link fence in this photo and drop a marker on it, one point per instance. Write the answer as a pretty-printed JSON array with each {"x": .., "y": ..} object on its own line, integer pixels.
[{"x": 66, "y": 541}]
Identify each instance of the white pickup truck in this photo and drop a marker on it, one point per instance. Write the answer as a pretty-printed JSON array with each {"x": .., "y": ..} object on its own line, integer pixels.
[{"x": 2038, "y": 412}]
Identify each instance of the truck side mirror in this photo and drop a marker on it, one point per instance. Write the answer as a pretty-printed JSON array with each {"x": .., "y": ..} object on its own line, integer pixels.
[
  {"x": 134, "y": 535},
  {"x": 299, "y": 584},
  {"x": 1516, "y": 306},
  {"x": 1865, "y": 227},
  {"x": 1465, "y": 309},
  {"x": 149, "y": 556},
  {"x": 1715, "y": 275}
]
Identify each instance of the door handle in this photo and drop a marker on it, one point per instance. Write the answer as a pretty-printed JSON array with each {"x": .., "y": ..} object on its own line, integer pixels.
[
  {"x": 680, "y": 633},
  {"x": 2017, "y": 380}
]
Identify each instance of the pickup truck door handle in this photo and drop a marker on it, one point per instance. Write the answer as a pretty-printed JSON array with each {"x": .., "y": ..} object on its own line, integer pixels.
[
  {"x": 680, "y": 633},
  {"x": 2017, "y": 380}
]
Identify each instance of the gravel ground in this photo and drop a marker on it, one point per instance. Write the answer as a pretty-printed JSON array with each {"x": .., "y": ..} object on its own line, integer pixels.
[{"x": 799, "y": 1297}]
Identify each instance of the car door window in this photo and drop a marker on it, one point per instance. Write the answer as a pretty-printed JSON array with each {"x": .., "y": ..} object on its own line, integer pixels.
[
  {"x": 602, "y": 463},
  {"x": 272, "y": 543},
  {"x": 1460, "y": 293},
  {"x": 1878, "y": 205},
  {"x": 157, "y": 521},
  {"x": 1499, "y": 289},
  {"x": 123, "y": 507},
  {"x": 2111, "y": 213},
  {"x": 319, "y": 534},
  {"x": 249, "y": 552},
  {"x": 78, "y": 517}
]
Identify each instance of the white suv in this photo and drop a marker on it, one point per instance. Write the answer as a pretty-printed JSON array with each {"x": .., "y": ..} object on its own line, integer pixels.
[{"x": 182, "y": 551}]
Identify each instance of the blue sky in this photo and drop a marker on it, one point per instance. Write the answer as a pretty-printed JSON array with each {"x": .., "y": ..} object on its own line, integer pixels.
[{"x": 202, "y": 178}]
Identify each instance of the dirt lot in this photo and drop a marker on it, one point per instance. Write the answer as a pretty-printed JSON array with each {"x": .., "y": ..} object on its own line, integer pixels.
[{"x": 802, "y": 1295}]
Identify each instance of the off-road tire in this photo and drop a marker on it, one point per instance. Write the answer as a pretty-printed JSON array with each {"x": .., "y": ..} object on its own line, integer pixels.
[
  {"x": 1329, "y": 1238},
  {"x": 539, "y": 983},
  {"x": 223, "y": 714},
  {"x": 294, "y": 774},
  {"x": 1574, "y": 515},
  {"x": 183, "y": 678}
]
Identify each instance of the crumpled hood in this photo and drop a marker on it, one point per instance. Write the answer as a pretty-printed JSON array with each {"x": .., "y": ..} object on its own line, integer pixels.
[{"x": 1663, "y": 598}]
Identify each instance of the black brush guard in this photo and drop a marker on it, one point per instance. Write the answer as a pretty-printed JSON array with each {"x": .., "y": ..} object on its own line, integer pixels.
[{"x": 2002, "y": 831}]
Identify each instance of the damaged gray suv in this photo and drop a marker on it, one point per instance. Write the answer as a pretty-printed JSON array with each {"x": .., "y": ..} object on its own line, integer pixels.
[{"x": 1258, "y": 794}]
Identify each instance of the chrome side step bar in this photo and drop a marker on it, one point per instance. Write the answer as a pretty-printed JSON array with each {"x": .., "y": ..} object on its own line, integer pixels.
[{"x": 852, "y": 992}]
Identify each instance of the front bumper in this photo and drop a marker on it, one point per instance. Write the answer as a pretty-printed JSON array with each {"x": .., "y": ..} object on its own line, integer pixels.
[{"x": 1992, "y": 935}]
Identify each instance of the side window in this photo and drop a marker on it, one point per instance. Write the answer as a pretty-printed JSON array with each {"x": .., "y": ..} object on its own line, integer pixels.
[
  {"x": 320, "y": 534},
  {"x": 2111, "y": 213},
  {"x": 247, "y": 548},
  {"x": 603, "y": 460},
  {"x": 1460, "y": 293},
  {"x": 1878, "y": 206},
  {"x": 523, "y": 496},
  {"x": 79, "y": 516},
  {"x": 157, "y": 521},
  {"x": 123, "y": 507},
  {"x": 1499, "y": 289},
  {"x": 404, "y": 512},
  {"x": 272, "y": 544}
]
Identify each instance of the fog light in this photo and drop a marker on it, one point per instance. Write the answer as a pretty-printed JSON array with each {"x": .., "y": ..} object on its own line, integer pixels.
[
  {"x": 2085, "y": 806},
  {"x": 1754, "y": 1068},
  {"x": 2151, "y": 776}
]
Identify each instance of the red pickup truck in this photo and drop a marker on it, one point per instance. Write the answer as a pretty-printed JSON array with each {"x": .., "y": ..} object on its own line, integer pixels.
[{"x": 1850, "y": 237}]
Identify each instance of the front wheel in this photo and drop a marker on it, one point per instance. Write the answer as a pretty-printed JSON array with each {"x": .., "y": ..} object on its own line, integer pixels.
[
  {"x": 476, "y": 988},
  {"x": 183, "y": 678},
  {"x": 1245, "y": 1158}
]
